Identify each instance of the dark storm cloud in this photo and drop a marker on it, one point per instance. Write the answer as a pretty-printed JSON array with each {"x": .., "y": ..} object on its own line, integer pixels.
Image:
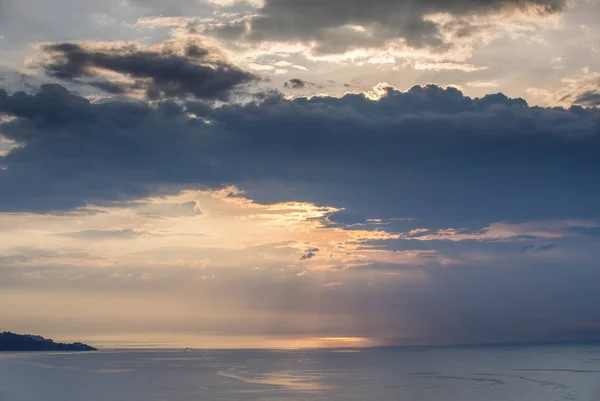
[
  {"x": 327, "y": 22},
  {"x": 158, "y": 74},
  {"x": 428, "y": 154}
]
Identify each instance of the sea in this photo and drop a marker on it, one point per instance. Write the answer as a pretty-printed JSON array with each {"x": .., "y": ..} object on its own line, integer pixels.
[{"x": 494, "y": 373}]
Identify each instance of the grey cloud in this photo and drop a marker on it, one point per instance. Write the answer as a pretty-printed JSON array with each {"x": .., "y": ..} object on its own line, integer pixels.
[
  {"x": 527, "y": 248},
  {"x": 456, "y": 249},
  {"x": 295, "y": 83},
  {"x": 310, "y": 253},
  {"x": 429, "y": 154},
  {"x": 42, "y": 109},
  {"x": 163, "y": 74},
  {"x": 546, "y": 247},
  {"x": 539, "y": 248},
  {"x": 173, "y": 7},
  {"x": 29, "y": 254},
  {"x": 126, "y": 233},
  {"x": 588, "y": 99},
  {"x": 328, "y": 22}
]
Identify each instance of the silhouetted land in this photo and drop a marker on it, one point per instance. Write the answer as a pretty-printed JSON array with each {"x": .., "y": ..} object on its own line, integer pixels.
[{"x": 27, "y": 342}]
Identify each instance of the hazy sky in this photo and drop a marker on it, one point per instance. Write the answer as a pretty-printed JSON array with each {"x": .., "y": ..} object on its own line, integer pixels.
[{"x": 223, "y": 173}]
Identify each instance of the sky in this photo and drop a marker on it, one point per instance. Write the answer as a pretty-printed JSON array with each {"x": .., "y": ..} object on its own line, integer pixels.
[{"x": 300, "y": 173}]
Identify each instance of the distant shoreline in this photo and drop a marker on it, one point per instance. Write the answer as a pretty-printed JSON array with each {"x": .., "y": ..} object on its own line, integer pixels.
[{"x": 11, "y": 342}]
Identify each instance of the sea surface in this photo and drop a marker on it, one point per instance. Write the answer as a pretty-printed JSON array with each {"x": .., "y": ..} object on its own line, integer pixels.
[{"x": 528, "y": 373}]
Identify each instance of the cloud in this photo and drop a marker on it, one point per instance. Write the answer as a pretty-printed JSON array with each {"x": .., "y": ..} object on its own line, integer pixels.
[
  {"x": 527, "y": 248},
  {"x": 154, "y": 73},
  {"x": 588, "y": 99},
  {"x": 98, "y": 235},
  {"x": 176, "y": 8},
  {"x": 339, "y": 26},
  {"x": 539, "y": 248},
  {"x": 443, "y": 66},
  {"x": 580, "y": 88},
  {"x": 587, "y": 231},
  {"x": 28, "y": 254},
  {"x": 401, "y": 155},
  {"x": 310, "y": 253},
  {"x": 483, "y": 84},
  {"x": 168, "y": 209},
  {"x": 295, "y": 83},
  {"x": 5, "y": 146},
  {"x": 546, "y": 247}
]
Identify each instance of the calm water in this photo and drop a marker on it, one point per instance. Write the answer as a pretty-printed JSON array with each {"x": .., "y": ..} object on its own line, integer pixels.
[{"x": 467, "y": 374}]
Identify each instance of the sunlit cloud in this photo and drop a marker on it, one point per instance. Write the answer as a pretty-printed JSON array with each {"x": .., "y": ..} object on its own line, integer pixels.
[
  {"x": 483, "y": 84},
  {"x": 182, "y": 229},
  {"x": 447, "y": 66}
]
